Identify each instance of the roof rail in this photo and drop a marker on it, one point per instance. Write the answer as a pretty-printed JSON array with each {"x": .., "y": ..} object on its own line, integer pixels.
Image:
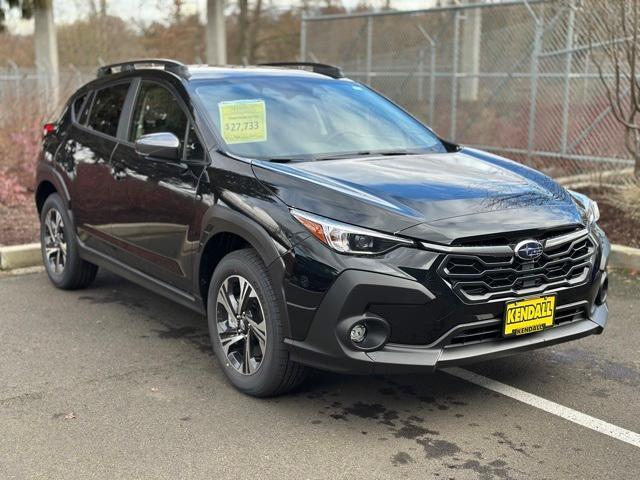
[
  {"x": 321, "y": 68},
  {"x": 172, "y": 66}
]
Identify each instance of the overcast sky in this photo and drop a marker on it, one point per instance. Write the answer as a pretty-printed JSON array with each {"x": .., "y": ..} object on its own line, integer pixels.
[{"x": 147, "y": 11}]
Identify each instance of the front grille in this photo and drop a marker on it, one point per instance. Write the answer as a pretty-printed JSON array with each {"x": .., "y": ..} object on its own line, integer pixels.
[
  {"x": 482, "y": 278},
  {"x": 493, "y": 331}
]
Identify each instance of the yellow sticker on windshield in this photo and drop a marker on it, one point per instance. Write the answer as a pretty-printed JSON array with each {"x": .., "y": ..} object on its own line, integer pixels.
[{"x": 243, "y": 121}]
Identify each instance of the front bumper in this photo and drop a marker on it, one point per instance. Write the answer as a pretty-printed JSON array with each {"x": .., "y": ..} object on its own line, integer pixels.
[{"x": 419, "y": 306}]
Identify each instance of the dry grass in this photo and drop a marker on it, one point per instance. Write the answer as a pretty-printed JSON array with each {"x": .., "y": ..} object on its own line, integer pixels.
[{"x": 627, "y": 197}]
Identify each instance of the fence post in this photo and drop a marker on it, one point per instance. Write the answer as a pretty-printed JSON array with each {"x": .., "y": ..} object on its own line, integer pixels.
[
  {"x": 454, "y": 75},
  {"x": 421, "y": 75},
  {"x": 16, "y": 75},
  {"x": 567, "y": 81},
  {"x": 369, "y": 47},
  {"x": 303, "y": 38},
  {"x": 432, "y": 71},
  {"x": 432, "y": 83},
  {"x": 533, "y": 100}
]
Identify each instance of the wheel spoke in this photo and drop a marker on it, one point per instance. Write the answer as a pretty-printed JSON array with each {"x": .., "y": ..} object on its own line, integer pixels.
[
  {"x": 57, "y": 261},
  {"x": 51, "y": 251},
  {"x": 246, "y": 292},
  {"x": 247, "y": 367},
  {"x": 49, "y": 226},
  {"x": 225, "y": 300},
  {"x": 57, "y": 221},
  {"x": 259, "y": 331},
  {"x": 228, "y": 341}
]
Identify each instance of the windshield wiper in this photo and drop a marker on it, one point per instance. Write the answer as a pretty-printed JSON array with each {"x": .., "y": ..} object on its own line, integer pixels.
[
  {"x": 280, "y": 160},
  {"x": 368, "y": 153},
  {"x": 337, "y": 156}
]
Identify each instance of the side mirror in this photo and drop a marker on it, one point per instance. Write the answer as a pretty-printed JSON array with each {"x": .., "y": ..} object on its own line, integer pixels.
[{"x": 161, "y": 146}]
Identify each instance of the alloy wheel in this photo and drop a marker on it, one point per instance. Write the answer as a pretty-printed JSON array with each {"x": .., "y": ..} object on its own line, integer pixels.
[
  {"x": 241, "y": 325},
  {"x": 55, "y": 244}
]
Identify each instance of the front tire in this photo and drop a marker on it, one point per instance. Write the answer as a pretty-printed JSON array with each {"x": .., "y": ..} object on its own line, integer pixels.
[
  {"x": 59, "y": 247},
  {"x": 245, "y": 325}
]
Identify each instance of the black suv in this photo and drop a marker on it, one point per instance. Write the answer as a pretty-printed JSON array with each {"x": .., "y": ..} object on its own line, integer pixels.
[{"x": 313, "y": 221}]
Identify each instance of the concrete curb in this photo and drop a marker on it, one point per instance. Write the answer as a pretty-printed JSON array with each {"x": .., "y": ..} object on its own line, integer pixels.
[
  {"x": 20, "y": 256},
  {"x": 625, "y": 257},
  {"x": 24, "y": 256}
]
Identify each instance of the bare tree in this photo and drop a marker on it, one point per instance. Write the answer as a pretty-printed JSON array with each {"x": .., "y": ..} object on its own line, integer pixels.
[
  {"x": 256, "y": 22},
  {"x": 46, "y": 48},
  {"x": 613, "y": 33},
  {"x": 249, "y": 24},
  {"x": 244, "y": 35}
]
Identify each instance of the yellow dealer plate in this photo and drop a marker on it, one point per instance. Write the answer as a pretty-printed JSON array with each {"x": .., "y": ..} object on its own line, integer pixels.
[
  {"x": 243, "y": 121},
  {"x": 529, "y": 315}
]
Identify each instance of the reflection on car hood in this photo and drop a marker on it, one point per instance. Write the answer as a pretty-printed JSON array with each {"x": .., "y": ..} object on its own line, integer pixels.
[{"x": 435, "y": 197}]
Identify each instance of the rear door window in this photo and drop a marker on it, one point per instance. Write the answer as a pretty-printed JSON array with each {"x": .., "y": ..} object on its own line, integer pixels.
[{"x": 107, "y": 107}]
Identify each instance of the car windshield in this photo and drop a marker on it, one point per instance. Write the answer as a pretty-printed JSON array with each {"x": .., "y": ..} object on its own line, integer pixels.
[{"x": 290, "y": 118}]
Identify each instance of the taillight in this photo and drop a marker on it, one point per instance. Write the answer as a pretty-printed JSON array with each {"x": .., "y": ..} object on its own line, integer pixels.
[{"x": 48, "y": 129}]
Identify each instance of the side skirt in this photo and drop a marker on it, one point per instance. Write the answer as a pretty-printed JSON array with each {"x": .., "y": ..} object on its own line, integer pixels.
[{"x": 161, "y": 288}]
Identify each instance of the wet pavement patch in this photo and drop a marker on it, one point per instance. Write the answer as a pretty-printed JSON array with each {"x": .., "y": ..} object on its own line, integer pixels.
[
  {"x": 365, "y": 410},
  {"x": 504, "y": 440},
  {"x": 604, "y": 368},
  {"x": 437, "y": 448},
  {"x": 408, "y": 424},
  {"x": 489, "y": 471},
  {"x": 401, "y": 458},
  {"x": 196, "y": 337},
  {"x": 412, "y": 431},
  {"x": 175, "y": 332},
  {"x": 115, "y": 297}
]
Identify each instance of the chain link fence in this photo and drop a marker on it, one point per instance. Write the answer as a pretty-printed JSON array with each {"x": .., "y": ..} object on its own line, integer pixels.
[
  {"x": 22, "y": 87},
  {"x": 515, "y": 78}
]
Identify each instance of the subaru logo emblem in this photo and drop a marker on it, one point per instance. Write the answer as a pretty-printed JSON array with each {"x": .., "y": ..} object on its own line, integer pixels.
[{"x": 528, "y": 249}]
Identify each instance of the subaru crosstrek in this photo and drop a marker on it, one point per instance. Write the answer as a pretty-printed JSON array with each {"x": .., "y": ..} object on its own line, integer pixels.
[{"x": 314, "y": 222}]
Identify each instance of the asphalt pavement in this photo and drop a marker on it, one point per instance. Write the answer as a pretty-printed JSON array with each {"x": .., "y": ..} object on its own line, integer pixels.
[{"x": 116, "y": 382}]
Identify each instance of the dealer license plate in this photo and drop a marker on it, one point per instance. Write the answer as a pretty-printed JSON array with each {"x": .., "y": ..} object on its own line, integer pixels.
[{"x": 528, "y": 315}]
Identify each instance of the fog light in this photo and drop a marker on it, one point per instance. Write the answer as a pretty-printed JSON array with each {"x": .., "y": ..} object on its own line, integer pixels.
[{"x": 358, "y": 333}]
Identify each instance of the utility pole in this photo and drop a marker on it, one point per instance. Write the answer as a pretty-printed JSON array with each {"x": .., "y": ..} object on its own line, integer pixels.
[
  {"x": 216, "y": 33},
  {"x": 46, "y": 47}
]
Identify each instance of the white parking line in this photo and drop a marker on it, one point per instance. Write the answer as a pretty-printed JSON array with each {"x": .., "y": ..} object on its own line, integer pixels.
[{"x": 567, "y": 413}]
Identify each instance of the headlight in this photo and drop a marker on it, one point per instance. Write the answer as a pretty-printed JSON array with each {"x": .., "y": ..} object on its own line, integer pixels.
[
  {"x": 345, "y": 238},
  {"x": 594, "y": 211},
  {"x": 590, "y": 206}
]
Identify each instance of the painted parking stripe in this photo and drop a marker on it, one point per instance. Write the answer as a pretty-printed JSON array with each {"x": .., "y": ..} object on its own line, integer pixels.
[{"x": 567, "y": 413}]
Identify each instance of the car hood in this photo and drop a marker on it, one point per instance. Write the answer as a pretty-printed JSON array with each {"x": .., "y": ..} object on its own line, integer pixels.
[{"x": 436, "y": 197}]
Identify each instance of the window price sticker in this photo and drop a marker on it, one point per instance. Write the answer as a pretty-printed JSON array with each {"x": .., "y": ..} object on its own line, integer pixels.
[{"x": 243, "y": 121}]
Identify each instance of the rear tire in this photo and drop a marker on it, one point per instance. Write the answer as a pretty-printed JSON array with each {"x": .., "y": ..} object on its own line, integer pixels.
[
  {"x": 244, "y": 314},
  {"x": 59, "y": 248}
]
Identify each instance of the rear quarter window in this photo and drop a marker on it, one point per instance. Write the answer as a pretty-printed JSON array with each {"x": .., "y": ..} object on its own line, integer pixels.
[
  {"x": 106, "y": 109},
  {"x": 84, "y": 114},
  {"x": 78, "y": 106}
]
